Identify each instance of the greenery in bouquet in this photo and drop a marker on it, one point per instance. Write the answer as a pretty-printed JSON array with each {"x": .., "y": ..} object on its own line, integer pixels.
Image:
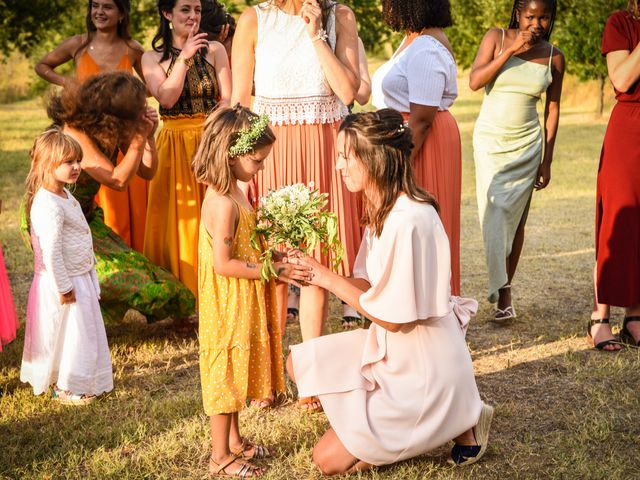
[{"x": 295, "y": 217}]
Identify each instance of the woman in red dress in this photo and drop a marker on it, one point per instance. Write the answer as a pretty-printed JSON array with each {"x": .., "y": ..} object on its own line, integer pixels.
[{"x": 618, "y": 196}]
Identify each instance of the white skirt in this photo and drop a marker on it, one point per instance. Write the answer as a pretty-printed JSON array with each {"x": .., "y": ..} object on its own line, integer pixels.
[{"x": 66, "y": 345}]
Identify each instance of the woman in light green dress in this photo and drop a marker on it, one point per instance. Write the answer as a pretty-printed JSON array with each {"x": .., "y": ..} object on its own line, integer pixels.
[{"x": 516, "y": 66}]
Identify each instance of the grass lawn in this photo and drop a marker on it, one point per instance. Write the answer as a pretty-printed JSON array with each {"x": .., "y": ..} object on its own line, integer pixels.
[{"x": 563, "y": 411}]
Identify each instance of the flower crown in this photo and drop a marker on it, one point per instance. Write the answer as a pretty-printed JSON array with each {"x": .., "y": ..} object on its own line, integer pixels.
[{"x": 247, "y": 137}]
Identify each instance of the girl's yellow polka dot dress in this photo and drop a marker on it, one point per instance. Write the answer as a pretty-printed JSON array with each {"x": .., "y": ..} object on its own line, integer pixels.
[{"x": 240, "y": 345}]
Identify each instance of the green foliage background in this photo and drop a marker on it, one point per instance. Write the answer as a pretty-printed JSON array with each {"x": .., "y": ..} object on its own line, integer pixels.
[{"x": 35, "y": 26}]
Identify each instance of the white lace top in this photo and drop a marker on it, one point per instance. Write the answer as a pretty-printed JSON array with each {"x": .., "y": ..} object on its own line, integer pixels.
[
  {"x": 424, "y": 73},
  {"x": 290, "y": 86},
  {"x": 61, "y": 238}
]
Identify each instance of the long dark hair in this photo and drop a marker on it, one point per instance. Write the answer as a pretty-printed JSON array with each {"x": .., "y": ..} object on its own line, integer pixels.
[
  {"x": 163, "y": 40},
  {"x": 124, "y": 7},
  {"x": 214, "y": 17},
  {"x": 382, "y": 142},
  {"x": 518, "y": 5}
]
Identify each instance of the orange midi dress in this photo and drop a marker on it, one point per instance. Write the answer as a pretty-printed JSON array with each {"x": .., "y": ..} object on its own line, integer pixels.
[
  {"x": 124, "y": 212},
  {"x": 291, "y": 88},
  {"x": 239, "y": 331}
]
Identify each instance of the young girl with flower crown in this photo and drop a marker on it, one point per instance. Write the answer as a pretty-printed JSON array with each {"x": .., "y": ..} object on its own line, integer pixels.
[
  {"x": 65, "y": 341},
  {"x": 240, "y": 349}
]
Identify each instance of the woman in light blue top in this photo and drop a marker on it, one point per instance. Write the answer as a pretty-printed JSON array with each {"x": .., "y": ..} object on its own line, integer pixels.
[{"x": 516, "y": 66}]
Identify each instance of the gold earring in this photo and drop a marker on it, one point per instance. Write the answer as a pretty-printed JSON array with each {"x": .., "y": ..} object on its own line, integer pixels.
[{"x": 170, "y": 25}]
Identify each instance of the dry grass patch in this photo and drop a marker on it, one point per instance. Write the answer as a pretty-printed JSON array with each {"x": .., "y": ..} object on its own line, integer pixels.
[{"x": 562, "y": 410}]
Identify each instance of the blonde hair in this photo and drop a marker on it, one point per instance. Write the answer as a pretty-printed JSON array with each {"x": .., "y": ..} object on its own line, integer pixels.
[
  {"x": 50, "y": 149},
  {"x": 633, "y": 8},
  {"x": 221, "y": 130}
]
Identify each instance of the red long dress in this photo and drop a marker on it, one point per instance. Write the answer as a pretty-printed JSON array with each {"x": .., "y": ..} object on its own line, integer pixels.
[{"x": 618, "y": 191}]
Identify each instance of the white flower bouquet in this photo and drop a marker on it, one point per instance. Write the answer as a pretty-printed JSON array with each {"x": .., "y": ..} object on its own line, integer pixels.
[{"x": 295, "y": 217}]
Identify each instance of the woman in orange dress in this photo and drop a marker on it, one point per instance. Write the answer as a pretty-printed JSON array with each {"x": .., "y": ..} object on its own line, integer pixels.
[
  {"x": 419, "y": 81},
  {"x": 107, "y": 45}
]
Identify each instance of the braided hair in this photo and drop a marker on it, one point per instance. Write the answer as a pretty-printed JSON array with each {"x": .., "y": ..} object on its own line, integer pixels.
[{"x": 518, "y": 6}]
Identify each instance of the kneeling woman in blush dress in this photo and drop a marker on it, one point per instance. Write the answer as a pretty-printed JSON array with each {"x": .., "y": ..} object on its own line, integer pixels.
[{"x": 406, "y": 385}]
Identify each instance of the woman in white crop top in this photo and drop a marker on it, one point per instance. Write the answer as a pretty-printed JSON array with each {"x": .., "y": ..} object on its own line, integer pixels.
[
  {"x": 303, "y": 59},
  {"x": 420, "y": 82}
]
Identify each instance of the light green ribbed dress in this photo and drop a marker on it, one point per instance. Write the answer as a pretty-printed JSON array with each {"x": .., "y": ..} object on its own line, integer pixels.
[{"x": 507, "y": 148}]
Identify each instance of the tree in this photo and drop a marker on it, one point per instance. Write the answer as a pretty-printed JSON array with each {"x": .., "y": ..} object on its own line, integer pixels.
[
  {"x": 35, "y": 26},
  {"x": 579, "y": 36},
  {"x": 471, "y": 20}
]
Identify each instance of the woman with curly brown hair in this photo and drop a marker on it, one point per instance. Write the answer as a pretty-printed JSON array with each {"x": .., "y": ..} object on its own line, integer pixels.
[
  {"x": 107, "y": 114},
  {"x": 420, "y": 82},
  {"x": 106, "y": 46}
]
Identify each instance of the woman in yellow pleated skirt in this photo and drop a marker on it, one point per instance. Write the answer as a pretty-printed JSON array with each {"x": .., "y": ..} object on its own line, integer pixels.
[{"x": 189, "y": 77}]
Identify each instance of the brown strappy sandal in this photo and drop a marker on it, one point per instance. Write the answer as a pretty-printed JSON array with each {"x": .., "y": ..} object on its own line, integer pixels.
[
  {"x": 260, "y": 452},
  {"x": 246, "y": 469}
]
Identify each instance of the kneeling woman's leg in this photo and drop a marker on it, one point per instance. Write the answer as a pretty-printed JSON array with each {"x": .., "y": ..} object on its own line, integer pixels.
[{"x": 332, "y": 458}]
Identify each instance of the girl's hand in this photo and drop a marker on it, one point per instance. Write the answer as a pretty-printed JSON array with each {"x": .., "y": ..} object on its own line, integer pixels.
[
  {"x": 544, "y": 176},
  {"x": 312, "y": 16},
  {"x": 293, "y": 273},
  {"x": 68, "y": 298},
  {"x": 195, "y": 41},
  {"x": 523, "y": 42}
]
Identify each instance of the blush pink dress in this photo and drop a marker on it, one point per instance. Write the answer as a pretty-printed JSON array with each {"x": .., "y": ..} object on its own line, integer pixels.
[{"x": 392, "y": 396}]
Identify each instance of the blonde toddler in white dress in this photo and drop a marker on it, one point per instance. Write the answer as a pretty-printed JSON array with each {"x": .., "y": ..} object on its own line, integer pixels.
[{"x": 65, "y": 340}]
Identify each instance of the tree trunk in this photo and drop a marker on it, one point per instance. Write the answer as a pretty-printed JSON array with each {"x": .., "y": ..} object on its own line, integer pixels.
[{"x": 600, "y": 106}]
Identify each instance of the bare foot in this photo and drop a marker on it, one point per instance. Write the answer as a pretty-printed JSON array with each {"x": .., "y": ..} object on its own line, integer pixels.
[{"x": 262, "y": 403}]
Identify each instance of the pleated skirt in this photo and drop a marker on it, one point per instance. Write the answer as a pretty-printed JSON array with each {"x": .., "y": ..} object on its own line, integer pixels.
[
  {"x": 307, "y": 154},
  {"x": 175, "y": 198},
  {"x": 438, "y": 169}
]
